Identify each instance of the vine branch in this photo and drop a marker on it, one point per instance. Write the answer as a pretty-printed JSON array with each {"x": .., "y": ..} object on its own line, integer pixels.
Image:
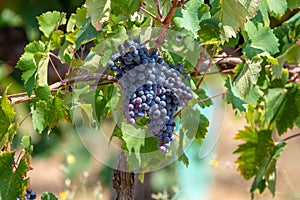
[
  {"x": 100, "y": 78},
  {"x": 291, "y": 137}
]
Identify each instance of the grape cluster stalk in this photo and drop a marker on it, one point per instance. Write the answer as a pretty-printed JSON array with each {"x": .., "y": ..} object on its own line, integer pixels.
[{"x": 152, "y": 88}]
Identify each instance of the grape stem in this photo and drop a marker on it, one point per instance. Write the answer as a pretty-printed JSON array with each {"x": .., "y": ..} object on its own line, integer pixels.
[
  {"x": 21, "y": 122},
  {"x": 291, "y": 137},
  {"x": 201, "y": 101},
  {"x": 159, "y": 9},
  {"x": 52, "y": 64},
  {"x": 150, "y": 14},
  {"x": 212, "y": 97}
]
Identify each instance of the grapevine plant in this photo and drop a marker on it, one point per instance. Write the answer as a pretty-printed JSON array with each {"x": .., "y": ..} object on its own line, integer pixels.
[{"x": 144, "y": 64}]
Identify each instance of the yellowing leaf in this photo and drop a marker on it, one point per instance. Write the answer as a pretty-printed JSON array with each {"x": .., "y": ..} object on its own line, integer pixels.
[
  {"x": 7, "y": 126},
  {"x": 253, "y": 151}
]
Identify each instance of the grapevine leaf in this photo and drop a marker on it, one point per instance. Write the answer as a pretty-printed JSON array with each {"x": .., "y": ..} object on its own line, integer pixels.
[
  {"x": 259, "y": 36},
  {"x": 248, "y": 75},
  {"x": 134, "y": 137},
  {"x": 276, "y": 68},
  {"x": 41, "y": 60},
  {"x": 91, "y": 61},
  {"x": 233, "y": 13},
  {"x": 86, "y": 33},
  {"x": 254, "y": 94},
  {"x": 190, "y": 115},
  {"x": 48, "y": 196},
  {"x": 252, "y": 153},
  {"x": 194, "y": 123},
  {"x": 189, "y": 16},
  {"x": 29, "y": 65},
  {"x": 266, "y": 175},
  {"x": 50, "y": 21},
  {"x": 210, "y": 31},
  {"x": 103, "y": 98},
  {"x": 39, "y": 115},
  {"x": 202, "y": 128},
  {"x": 291, "y": 55},
  {"x": 98, "y": 10},
  {"x": 277, "y": 8},
  {"x": 298, "y": 122},
  {"x": 77, "y": 19},
  {"x": 181, "y": 155},
  {"x": 87, "y": 114},
  {"x": 13, "y": 180},
  {"x": 26, "y": 143},
  {"x": 59, "y": 112},
  {"x": 282, "y": 108},
  {"x": 141, "y": 149},
  {"x": 203, "y": 96},
  {"x": 292, "y": 4},
  {"x": 7, "y": 114},
  {"x": 263, "y": 14},
  {"x": 47, "y": 110},
  {"x": 125, "y": 7},
  {"x": 235, "y": 97}
]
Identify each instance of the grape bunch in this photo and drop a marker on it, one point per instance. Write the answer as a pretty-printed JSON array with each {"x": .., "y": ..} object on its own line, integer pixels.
[
  {"x": 29, "y": 195},
  {"x": 152, "y": 88}
]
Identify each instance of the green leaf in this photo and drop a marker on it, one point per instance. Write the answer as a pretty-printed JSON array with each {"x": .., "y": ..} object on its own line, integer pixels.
[
  {"x": 202, "y": 127},
  {"x": 263, "y": 14},
  {"x": 201, "y": 95},
  {"x": 253, "y": 152},
  {"x": 26, "y": 143},
  {"x": 259, "y": 36},
  {"x": 211, "y": 31},
  {"x": 255, "y": 93},
  {"x": 194, "y": 123},
  {"x": 189, "y": 17},
  {"x": 87, "y": 114},
  {"x": 291, "y": 55},
  {"x": 233, "y": 13},
  {"x": 134, "y": 137},
  {"x": 86, "y": 33},
  {"x": 188, "y": 116},
  {"x": 277, "y": 8},
  {"x": 292, "y": 4},
  {"x": 47, "y": 110},
  {"x": 98, "y": 10},
  {"x": 77, "y": 19},
  {"x": 281, "y": 108},
  {"x": 235, "y": 97},
  {"x": 248, "y": 75},
  {"x": 13, "y": 176},
  {"x": 50, "y": 21},
  {"x": 48, "y": 196},
  {"x": 39, "y": 114},
  {"x": 276, "y": 68},
  {"x": 41, "y": 60},
  {"x": 29, "y": 65},
  {"x": 141, "y": 149},
  {"x": 181, "y": 155},
  {"x": 125, "y": 7},
  {"x": 7, "y": 114},
  {"x": 266, "y": 175}
]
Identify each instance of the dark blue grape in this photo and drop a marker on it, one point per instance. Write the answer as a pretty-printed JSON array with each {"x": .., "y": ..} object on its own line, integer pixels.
[{"x": 33, "y": 195}]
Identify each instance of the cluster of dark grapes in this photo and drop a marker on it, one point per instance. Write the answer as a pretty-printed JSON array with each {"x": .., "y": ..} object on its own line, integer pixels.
[
  {"x": 29, "y": 195},
  {"x": 151, "y": 87}
]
